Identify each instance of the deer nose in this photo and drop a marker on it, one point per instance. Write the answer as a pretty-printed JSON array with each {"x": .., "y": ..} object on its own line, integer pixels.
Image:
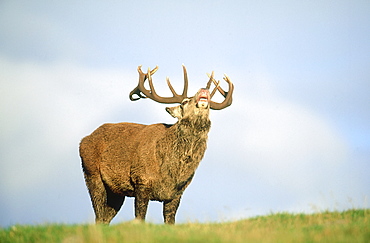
[
  {"x": 203, "y": 94},
  {"x": 203, "y": 98}
]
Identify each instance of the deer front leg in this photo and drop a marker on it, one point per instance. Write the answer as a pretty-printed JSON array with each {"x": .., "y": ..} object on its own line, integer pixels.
[
  {"x": 141, "y": 202},
  {"x": 169, "y": 210}
]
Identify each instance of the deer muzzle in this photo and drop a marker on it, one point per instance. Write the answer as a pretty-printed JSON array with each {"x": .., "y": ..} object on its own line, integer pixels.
[{"x": 203, "y": 98}]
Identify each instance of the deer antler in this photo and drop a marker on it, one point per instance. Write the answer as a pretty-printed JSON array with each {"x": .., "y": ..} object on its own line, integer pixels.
[
  {"x": 142, "y": 78},
  {"x": 228, "y": 95},
  {"x": 141, "y": 92}
]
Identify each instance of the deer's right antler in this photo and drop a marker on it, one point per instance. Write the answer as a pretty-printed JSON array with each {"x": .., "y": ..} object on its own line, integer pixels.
[
  {"x": 141, "y": 92},
  {"x": 228, "y": 95}
]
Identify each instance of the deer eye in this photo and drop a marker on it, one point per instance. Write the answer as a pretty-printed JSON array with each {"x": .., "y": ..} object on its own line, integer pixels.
[{"x": 184, "y": 102}]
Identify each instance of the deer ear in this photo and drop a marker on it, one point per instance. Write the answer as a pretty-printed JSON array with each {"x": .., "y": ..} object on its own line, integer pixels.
[{"x": 175, "y": 111}]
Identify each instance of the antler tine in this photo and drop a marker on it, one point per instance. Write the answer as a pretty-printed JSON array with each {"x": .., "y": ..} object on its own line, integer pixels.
[
  {"x": 154, "y": 70},
  {"x": 153, "y": 95},
  {"x": 185, "y": 91},
  {"x": 210, "y": 76},
  {"x": 152, "y": 90},
  {"x": 139, "y": 69},
  {"x": 216, "y": 88},
  {"x": 216, "y": 83},
  {"x": 170, "y": 86},
  {"x": 137, "y": 90}
]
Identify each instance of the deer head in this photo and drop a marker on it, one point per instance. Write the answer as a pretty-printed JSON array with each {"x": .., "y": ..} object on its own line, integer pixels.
[{"x": 198, "y": 105}]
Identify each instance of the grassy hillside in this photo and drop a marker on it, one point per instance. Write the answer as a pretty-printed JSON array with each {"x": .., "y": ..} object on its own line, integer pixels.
[{"x": 348, "y": 226}]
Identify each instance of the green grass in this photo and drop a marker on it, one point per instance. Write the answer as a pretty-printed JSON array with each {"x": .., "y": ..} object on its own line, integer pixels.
[{"x": 347, "y": 226}]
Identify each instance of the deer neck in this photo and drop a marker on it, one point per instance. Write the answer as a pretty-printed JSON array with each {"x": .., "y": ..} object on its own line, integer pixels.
[
  {"x": 187, "y": 150},
  {"x": 191, "y": 139},
  {"x": 181, "y": 151},
  {"x": 193, "y": 128}
]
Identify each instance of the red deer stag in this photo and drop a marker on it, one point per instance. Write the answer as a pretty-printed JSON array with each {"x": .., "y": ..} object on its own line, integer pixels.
[{"x": 149, "y": 162}]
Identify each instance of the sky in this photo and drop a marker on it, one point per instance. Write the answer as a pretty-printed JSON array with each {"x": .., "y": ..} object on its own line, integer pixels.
[{"x": 296, "y": 138}]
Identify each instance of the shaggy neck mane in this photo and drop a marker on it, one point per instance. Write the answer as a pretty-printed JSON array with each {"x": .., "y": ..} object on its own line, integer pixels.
[
  {"x": 190, "y": 143},
  {"x": 182, "y": 149},
  {"x": 190, "y": 127}
]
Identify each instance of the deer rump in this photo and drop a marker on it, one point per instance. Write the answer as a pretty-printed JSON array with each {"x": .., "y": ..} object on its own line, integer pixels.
[{"x": 149, "y": 162}]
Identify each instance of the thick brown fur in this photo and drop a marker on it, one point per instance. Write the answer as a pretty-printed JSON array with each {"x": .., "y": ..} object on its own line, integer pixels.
[{"x": 148, "y": 162}]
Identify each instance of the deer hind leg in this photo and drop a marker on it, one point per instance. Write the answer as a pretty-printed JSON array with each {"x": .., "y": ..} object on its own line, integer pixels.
[{"x": 106, "y": 204}]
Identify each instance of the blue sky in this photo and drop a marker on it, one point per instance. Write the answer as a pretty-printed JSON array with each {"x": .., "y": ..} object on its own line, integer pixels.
[{"x": 296, "y": 138}]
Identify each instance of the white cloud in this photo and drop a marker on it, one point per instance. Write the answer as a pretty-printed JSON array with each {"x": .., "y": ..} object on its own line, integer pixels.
[
  {"x": 46, "y": 110},
  {"x": 291, "y": 153},
  {"x": 291, "y": 147}
]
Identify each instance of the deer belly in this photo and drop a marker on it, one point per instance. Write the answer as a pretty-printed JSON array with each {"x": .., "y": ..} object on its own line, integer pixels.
[
  {"x": 167, "y": 191},
  {"x": 118, "y": 182}
]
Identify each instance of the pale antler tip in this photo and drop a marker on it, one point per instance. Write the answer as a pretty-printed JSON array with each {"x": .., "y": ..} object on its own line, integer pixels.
[
  {"x": 210, "y": 75},
  {"x": 168, "y": 80},
  {"x": 139, "y": 68},
  {"x": 226, "y": 77}
]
